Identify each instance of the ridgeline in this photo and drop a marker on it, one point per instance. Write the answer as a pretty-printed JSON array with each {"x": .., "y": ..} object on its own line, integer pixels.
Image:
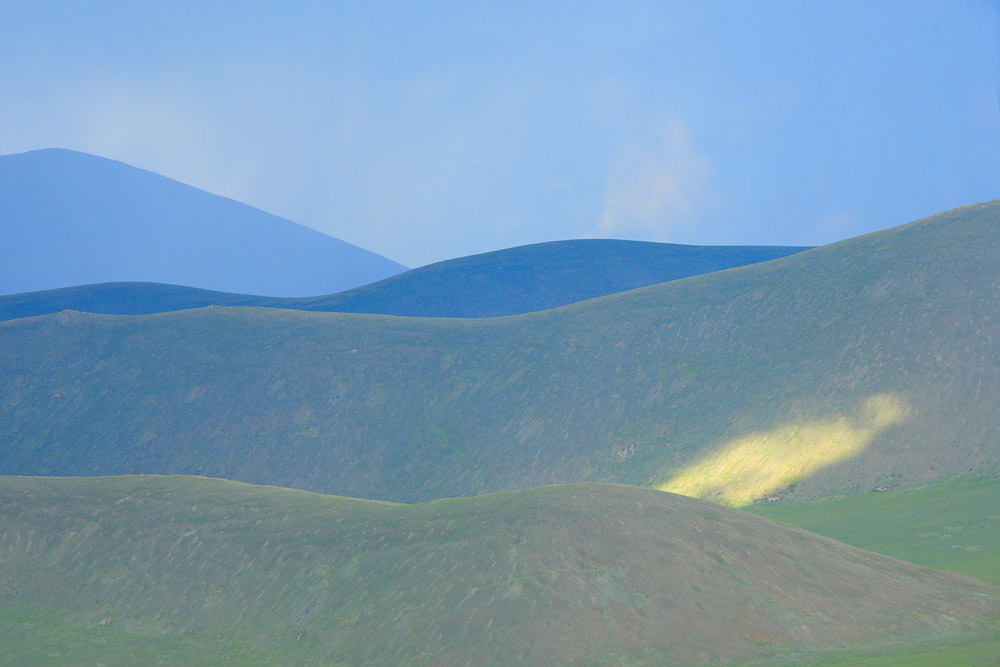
[
  {"x": 505, "y": 282},
  {"x": 866, "y": 364}
]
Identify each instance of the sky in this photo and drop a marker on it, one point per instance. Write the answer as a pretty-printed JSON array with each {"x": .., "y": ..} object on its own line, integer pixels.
[{"x": 425, "y": 131}]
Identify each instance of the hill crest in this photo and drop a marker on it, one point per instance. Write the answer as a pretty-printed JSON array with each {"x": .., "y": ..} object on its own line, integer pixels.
[
  {"x": 504, "y": 282},
  {"x": 572, "y": 574}
]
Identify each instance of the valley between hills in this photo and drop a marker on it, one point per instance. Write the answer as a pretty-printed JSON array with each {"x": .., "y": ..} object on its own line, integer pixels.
[{"x": 199, "y": 477}]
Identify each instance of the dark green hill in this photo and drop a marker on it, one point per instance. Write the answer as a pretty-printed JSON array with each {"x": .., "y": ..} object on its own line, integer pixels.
[
  {"x": 537, "y": 277},
  {"x": 121, "y": 299},
  {"x": 505, "y": 282},
  {"x": 168, "y": 570},
  {"x": 865, "y": 364}
]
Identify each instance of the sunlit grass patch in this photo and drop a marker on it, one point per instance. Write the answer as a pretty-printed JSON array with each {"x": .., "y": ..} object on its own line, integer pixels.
[{"x": 751, "y": 467}]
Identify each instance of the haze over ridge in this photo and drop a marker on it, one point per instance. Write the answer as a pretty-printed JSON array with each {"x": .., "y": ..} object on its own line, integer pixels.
[{"x": 69, "y": 218}]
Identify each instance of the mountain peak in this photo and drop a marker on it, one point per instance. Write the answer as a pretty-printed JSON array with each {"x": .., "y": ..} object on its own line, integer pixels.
[{"x": 72, "y": 218}]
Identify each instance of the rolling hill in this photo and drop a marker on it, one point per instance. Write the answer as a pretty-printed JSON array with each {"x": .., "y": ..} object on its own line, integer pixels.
[
  {"x": 69, "y": 218},
  {"x": 865, "y": 364},
  {"x": 168, "y": 570},
  {"x": 505, "y": 282},
  {"x": 537, "y": 277}
]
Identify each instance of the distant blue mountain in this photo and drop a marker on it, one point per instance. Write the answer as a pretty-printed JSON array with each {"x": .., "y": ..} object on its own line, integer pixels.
[
  {"x": 69, "y": 218},
  {"x": 505, "y": 282}
]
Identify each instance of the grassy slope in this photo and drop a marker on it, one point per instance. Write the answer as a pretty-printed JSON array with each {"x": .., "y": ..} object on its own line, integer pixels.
[
  {"x": 505, "y": 282},
  {"x": 870, "y": 362},
  {"x": 951, "y": 525},
  {"x": 195, "y": 570}
]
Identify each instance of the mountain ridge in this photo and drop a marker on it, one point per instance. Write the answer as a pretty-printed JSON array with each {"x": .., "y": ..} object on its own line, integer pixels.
[
  {"x": 72, "y": 218},
  {"x": 500, "y": 283}
]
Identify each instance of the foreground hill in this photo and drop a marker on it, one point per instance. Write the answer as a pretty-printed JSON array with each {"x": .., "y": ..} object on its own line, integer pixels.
[
  {"x": 69, "y": 218},
  {"x": 866, "y": 364},
  {"x": 505, "y": 282},
  {"x": 196, "y": 570}
]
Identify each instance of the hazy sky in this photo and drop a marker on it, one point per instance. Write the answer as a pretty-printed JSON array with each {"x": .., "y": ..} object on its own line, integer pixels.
[{"x": 425, "y": 131}]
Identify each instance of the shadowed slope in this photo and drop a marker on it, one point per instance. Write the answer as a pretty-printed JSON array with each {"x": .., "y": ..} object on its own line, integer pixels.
[
  {"x": 863, "y": 364},
  {"x": 505, "y": 282},
  {"x": 68, "y": 218},
  {"x": 580, "y": 573}
]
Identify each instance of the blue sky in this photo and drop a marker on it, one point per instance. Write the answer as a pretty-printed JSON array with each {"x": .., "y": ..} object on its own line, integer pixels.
[{"x": 425, "y": 131}]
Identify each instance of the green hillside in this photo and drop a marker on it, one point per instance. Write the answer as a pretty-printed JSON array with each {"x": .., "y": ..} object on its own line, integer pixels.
[
  {"x": 169, "y": 570},
  {"x": 950, "y": 525},
  {"x": 506, "y": 282},
  {"x": 865, "y": 364}
]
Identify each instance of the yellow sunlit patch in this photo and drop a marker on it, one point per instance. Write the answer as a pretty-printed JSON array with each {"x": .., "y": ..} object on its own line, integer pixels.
[{"x": 751, "y": 467}]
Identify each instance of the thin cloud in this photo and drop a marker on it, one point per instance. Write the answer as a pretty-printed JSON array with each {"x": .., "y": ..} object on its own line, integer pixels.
[
  {"x": 161, "y": 127},
  {"x": 654, "y": 188}
]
